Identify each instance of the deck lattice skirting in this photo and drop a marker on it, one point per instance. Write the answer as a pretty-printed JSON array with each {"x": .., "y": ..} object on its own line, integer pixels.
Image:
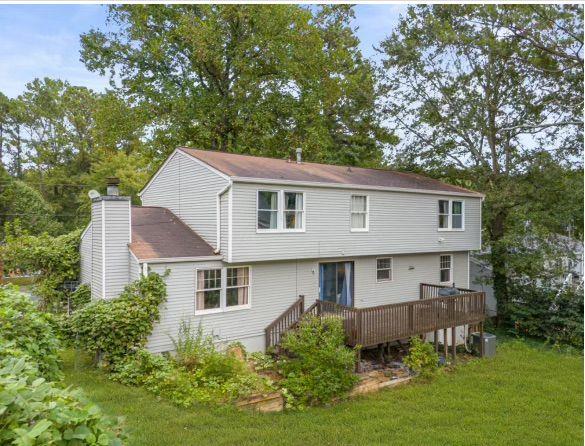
[{"x": 373, "y": 326}]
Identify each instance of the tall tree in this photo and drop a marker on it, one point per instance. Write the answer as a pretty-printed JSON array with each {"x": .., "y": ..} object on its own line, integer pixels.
[
  {"x": 244, "y": 78},
  {"x": 488, "y": 89}
]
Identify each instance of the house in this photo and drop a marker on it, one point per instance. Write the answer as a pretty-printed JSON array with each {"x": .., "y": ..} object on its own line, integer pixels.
[{"x": 242, "y": 237}]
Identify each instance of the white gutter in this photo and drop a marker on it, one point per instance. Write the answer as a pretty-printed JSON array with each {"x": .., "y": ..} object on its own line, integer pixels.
[
  {"x": 218, "y": 216},
  {"x": 181, "y": 259}
]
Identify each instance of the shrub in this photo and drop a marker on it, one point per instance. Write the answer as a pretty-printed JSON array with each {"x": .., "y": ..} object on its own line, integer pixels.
[
  {"x": 545, "y": 312},
  {"x": 29, "y": 330},
  {"x": 35, "y": 411},
  {"x": 116, "y": 327},
  {"x": 317, "y": 365},
  {"x": 80, "y": 297},
  {"x": 422, "y": 358},
  {"x": 135, "y": 369}
]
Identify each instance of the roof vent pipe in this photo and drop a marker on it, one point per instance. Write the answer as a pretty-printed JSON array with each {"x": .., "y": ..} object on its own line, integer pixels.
[
  {"x": 112, "y": 186},
  {"x": 299, "y": 155}
]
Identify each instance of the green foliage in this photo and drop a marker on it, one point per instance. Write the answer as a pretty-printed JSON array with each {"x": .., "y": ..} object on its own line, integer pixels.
[
  {"x": 30, "y": 331},
  {"x": 115, "y": 327},
  {"x": 422, "y": 358},
  {"x": 80, "y": 297},
  {"x": 39, "y": 412},
  {"x": 548, "y": 313},
  {"x": 248, "y": 79},
  {"x": 56, "y": 259},
  {"x": 262, "y": 362},
  {"x": 317, "y": 365}
]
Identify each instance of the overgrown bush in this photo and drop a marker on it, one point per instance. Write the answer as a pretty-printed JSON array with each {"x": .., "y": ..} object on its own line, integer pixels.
[
  {"x": 116, "y": 327},
  {"x": 316, "y": 366},
  {"x": 422, "y": 358},
  {"x": 29, "y": 330},
  {"x": 80, "y": 297},
  {"x": 545, "y": 312},
  {"x": 34, "y": 411},
  {"x": 55, "y": 259}
]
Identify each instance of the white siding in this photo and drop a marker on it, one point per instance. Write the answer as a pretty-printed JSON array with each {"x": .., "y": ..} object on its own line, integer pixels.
[
  {"x": 117, "y": 214},
  {"x": 224, "y": 205},
  {"x": 189, "y": 190},
  {"x": 85, "y": 253},
  {"x": 134, "y": 267},
  {"x": 276, "y": 285},
  {"x": 96, "y": 258},
  {"x": 399, "y": 222}
]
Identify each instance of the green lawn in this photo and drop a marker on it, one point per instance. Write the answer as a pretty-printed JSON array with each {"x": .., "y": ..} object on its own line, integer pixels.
[{"x": 528, "y": 395}]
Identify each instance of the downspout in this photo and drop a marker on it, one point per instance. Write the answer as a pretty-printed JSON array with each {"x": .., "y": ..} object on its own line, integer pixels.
[{"x": 218, "y": 217}]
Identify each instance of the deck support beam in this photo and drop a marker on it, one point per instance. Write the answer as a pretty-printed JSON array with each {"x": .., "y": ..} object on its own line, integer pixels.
[
  {"x": 436, "y": 340},
  {"x": 445, "y": 344}
]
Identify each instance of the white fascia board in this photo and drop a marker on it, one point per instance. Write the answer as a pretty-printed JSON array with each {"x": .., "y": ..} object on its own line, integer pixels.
[
  {"x": 354, "y": 186},
  {"x": 181, "y": 259},
  {"x": 85, "y": 231}
]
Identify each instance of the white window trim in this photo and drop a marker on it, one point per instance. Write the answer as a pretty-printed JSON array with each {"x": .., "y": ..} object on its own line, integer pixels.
[
  {"x": 367, "y": 228},
  {"x": 223, "y": 308},
  {"x": 280, "y": 211},
  {"x": 450, "y": 282},
  {"x": 391, "y": 279},
  {"x": 450, "y": 216}
]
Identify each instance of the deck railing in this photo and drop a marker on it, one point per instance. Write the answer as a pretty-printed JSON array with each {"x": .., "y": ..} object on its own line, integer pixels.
[
  {"x": 376, "y": 325},
  {"x": 429, "y": 290},
  {"x": 284, "y": 322}
]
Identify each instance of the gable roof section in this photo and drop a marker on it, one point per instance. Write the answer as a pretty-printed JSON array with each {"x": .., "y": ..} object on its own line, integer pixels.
[
  {"x": 247, "y": 167},
  {"x": 157, "y": 233}
]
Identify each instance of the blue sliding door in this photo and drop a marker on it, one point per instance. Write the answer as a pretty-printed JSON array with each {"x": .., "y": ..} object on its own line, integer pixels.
[{"x": 336, "y": 282}]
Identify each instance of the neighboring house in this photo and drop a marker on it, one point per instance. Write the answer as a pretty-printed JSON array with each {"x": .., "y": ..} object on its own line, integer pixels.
[{"x": 243, "y": 237}]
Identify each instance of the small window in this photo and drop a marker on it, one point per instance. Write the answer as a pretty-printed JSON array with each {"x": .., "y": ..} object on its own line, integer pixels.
[
  {"x": 384, "y": 269},
  {"x": 208, "y": 289},
  {"x": 237, "y": 286},
  {"x": 293, "y": 210},
  {"x": 445, "y": 265},
  {"x": 359, "y": 212},
  {"x": 457, "y": 214},
  {"x": 267, "y": 210}
]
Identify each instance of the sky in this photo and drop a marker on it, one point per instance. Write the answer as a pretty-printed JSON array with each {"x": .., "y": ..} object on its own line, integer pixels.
[{"x": 43, "y": 41}]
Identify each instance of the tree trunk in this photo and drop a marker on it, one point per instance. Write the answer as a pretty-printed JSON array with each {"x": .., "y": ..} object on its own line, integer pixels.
[{"x": 498, "y": 261}]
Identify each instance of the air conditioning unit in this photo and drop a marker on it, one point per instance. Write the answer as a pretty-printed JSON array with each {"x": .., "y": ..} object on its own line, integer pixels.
[{"x": 489, "y": 344}]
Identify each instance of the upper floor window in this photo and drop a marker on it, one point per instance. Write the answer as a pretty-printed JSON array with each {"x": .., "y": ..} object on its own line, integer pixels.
[
  {"x": 451, "y": 215},
  {"x": 359, "y": 212},
  {"x": 279, "y": 210}
]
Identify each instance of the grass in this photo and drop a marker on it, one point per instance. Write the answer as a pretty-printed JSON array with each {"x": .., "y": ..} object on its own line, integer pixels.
[{"x": 527, "y": 395}]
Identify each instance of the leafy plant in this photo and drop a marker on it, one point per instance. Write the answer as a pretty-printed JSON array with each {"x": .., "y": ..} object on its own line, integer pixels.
[
  {"x": 39, "y": 412},
  {"x": 80, "y": 297},
  {"x": 317, "y": 366},
  {"x": 422, "y": 358},
  {"x": 113, "y": 328},
  {"x": 29, "y": 330}
]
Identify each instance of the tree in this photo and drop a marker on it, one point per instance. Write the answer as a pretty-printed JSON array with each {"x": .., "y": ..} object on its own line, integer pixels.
[
  {"x": 244, "y": 78},
  {"x": 489, "y": 90}
]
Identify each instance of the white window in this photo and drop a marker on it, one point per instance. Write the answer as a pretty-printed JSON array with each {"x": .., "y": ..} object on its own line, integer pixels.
[
  {"x": 359, "y": 212},
  {"x": 279, "y": 211},
  {"x": 384, "y": 269},
  {"x": 237, "y": 286},
  {"x": 208, "y": 296},
  {"x": 293, "y": 210},
  {"x": 222, "y": 289},
  {"x": 451, "y": 216},
  {"x": 267, "y": 209},
  {"x": 446, "y": 268}
]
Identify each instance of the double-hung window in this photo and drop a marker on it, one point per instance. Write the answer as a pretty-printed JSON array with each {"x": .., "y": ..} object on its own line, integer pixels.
[
  {"x": 446, "y": 268},
  {"x": 359, "y": 213},
  {"x": 280, "y": 210},
  {"x": 221, "y": 289},
  {"x": 384, "y": 269},
  {"x": 451, "y": 217}
]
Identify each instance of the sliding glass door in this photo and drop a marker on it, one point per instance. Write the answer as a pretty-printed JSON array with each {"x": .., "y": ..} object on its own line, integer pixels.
[{"x": 336, "y": 282}]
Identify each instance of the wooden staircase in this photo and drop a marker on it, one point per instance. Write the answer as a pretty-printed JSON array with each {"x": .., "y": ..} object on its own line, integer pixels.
[{"x": 287, "y": 320}]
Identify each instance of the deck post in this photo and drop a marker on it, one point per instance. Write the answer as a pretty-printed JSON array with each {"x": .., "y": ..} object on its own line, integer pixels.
[
  {"x": 481, "y": 339},
  {"x": 436, "y": 340},
  {"x": 445, "y": 344},
  {"x": 454, "y": 343}
]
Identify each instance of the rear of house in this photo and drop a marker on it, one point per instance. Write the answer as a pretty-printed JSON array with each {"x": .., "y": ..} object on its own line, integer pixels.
[{"x": 242, "y": 237}]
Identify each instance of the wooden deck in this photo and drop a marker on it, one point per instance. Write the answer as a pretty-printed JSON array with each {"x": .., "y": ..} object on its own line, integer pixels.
[{"x": 368, "y": 327}]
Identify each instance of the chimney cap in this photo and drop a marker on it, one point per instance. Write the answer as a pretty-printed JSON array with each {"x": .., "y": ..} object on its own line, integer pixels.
[{"x": 112, "y": 181}]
